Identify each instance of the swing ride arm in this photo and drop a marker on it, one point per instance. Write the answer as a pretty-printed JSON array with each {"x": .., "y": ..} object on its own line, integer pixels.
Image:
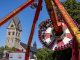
[
  {"x": 16, "y": 11},
  {"x": 53, "y": 16}
]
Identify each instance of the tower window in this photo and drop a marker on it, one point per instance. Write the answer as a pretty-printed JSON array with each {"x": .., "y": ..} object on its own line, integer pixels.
[
  {"x": 9, "y": 33},
  {"x": 13, "y": 33}
]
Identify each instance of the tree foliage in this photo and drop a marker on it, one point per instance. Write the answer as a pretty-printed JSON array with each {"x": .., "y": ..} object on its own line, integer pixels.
[
  {"x": 44, "y": 54},
  {"x": 2, "y": 49},
  {"x": 47, "y": 54},
  {"x": 63, "y": 55},
  {"x": 73, "y": 8}
]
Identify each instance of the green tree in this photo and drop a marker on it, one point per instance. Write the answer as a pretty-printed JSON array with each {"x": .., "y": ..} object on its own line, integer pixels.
[
  {"x": 73, "y": 8},
  {"x": 7, "y": 48},
  {"x": 44, "y": 54},
  {"x": 63, "y": 55},
  {"x": 1, "y": 49}
]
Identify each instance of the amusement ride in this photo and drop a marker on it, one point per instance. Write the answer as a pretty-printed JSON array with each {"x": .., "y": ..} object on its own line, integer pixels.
[{"x": 53, "y": 33}]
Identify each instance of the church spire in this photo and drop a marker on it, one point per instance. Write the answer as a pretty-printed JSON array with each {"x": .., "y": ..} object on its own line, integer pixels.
[{"x": 34, "y": 45}]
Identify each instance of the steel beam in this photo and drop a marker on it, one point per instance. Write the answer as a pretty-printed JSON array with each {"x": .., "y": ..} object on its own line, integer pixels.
[
  {"x": 32, "y": 29},
  {"x": 73, "y": 29},
  {"x": 16, "y": 11},
  {"x": 53, "y": 16}
]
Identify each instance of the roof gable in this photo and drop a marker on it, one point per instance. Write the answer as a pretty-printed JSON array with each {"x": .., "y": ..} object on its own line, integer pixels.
[
  {"x": 32, "y": 49},
  {"x": 23, "y": 45},
  {"x": 11, "y": 25},
  {"x": 16, "y": 22}
]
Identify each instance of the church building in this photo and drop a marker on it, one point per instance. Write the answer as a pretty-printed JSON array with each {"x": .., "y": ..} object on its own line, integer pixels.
[
  {"x": 13, "y": 33},
  {"x": 14, "y": 30}
]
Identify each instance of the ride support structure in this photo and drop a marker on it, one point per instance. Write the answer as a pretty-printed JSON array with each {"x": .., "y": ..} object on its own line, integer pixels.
[
  {"x": 73, "y": 29},
  {"x": 16, "y": 11},
  {"x": 53, "y": 16},
  {"x": 50, "y": 4},
  {"x": 32, "y": 29}
]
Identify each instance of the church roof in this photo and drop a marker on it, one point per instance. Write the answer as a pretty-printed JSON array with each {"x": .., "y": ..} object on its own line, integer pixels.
[
  {"x": 32, "y": 49},
  {"x": 17, "y": 22},
  {"x": 23, "y": 45}
]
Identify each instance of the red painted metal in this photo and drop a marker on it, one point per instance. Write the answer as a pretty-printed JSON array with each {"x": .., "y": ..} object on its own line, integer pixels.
[
  {"x": 16, "y": 11},
  {"x": 53, "y": 16},
  {"x": 72, "y": 27},
  {"x": 75, "y": 51},
  {"x": 66, "y": 17},
  {"x": 32, "y": 29}
]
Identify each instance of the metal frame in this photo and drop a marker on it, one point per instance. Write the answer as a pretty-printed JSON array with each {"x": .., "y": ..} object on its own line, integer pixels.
[
  {"x": 16, "y": 11},
  {"x": 69, "y": 22},
  {"x": 73, "y": 29}
]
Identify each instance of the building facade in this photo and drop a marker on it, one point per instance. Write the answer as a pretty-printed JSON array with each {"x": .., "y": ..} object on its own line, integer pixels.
[
  {"x": 13, "y": 37},
  {"x": 13, "y": 33}
]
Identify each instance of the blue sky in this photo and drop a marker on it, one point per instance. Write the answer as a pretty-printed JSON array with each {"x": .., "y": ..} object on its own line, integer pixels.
[{"x": 26, "y": 17}]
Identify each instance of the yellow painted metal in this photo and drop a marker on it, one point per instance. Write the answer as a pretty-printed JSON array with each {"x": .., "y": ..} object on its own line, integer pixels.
[
  {"x": 52, "y": 13},
  {"x": 51, "y": 8},
  {"x": 78, "y": 38}
]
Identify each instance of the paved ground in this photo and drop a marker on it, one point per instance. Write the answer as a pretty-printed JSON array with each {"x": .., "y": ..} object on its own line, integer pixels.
[{"x": 3, "y": 59}]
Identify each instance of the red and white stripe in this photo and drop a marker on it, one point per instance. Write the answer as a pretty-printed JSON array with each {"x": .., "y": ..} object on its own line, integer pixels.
[{"x": 66, "y": 38}]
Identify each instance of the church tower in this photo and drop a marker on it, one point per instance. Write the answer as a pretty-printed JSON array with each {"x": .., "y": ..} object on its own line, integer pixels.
[{"x": 13, "y": 33}]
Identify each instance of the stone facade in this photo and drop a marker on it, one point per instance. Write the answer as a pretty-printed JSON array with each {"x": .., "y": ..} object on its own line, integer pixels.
[
  {"x": 13, "y": 38},
  {"x": 13, "y": 33}
]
